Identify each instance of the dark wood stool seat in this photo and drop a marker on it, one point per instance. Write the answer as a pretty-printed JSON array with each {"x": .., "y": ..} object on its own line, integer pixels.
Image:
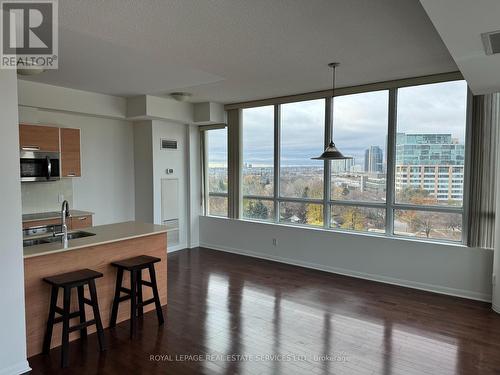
[
  {"x": 68, "y": 281},
  {"x": 79, "y": 277},
  {"x": 138, "y": 262},
  {"x": 135, "y": 266}
]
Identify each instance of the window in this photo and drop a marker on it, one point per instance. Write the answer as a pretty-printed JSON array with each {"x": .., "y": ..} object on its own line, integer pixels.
[
  {"x": 431, "y": 120},
  {"x": 358, "y": 218},
  {"x": 302, "y": 137},
  {"x": 428, "y": 224},
  {"x": 301, "y": 213},
  {"x": 430, "y": 148},
  {"x": 406, "y": 176},
  {"x": 360, "y": 130},
  {"x": 258, "y": 163},
  {"x": 216, "y": 149}
]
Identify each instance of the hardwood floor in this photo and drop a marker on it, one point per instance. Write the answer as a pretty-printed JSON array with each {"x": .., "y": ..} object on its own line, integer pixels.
[{"x": 221, "y": 304}]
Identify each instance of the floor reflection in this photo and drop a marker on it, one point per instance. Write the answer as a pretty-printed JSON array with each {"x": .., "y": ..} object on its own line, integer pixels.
[{"x": 223, "y": 305}]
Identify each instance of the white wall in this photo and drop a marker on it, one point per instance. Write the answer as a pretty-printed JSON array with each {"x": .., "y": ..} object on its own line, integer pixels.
[
  {"x": 12, "y": 325},
  {"x": 143, "y": 164},
  {"x": 176, "y": 160},
  {"x": 442, "y": 268},
  {"x": 44, "y": 196},
  {"x": 107, "y": 183},
  {"x": 194, "y": 187},
  {"x": 41, "y": 95}
]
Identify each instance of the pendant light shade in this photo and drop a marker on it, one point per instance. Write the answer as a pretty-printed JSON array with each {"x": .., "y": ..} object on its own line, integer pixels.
[{"x": 332, "y": 152}]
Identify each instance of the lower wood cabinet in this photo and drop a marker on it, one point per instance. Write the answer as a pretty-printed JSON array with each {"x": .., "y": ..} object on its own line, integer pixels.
[
  {"x": 41, "y": 223},
  {"x": 81, "y": 222}
]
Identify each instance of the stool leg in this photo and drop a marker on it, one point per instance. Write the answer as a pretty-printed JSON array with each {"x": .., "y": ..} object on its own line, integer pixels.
[
  {"x": 81, "y": 308},
  {"x": 156, "y": 296},
  {"x": 140, "y": 311},
  {"x": 50, "y": 321},
  {"x": 97, "y": 316},
  {"x": 133, "y": 303},
  {"x": 65, "y": 330},
  {"x": 116, "y": 300}
]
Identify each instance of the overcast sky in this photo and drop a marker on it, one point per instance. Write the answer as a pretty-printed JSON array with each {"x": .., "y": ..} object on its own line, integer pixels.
[{"x": 360, "y": 121}]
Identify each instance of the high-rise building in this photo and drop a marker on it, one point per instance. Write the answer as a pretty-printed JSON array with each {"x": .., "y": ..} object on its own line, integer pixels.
[
  {"x": 430, "y": 162},
  {"x": 345, "y": 165},
  {"x": 374, "y": 160}
]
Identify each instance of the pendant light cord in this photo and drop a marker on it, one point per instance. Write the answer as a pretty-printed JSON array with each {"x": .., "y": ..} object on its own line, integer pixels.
[
  {"x": 334, "y": 70},
  {"x": 333, "y": 101}
]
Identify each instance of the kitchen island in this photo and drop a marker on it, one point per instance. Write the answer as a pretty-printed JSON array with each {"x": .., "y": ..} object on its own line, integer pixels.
[{"x": 106, "y": 244}]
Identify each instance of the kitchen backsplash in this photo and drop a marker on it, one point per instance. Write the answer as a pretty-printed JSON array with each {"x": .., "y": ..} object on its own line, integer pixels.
[{"x": 44, "y": 196}]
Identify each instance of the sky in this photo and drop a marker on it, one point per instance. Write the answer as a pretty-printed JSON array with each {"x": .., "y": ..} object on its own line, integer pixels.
[{"x": 360, "y": 121}]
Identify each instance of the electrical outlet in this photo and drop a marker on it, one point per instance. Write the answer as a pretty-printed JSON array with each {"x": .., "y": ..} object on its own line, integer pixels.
[
  {"x": 60, "y": 198},
  {"x": 275, "y": 242}
]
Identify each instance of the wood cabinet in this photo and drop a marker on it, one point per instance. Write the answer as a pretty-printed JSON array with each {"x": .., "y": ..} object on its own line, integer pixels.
[
  {"x": 80, "y": 222},
  {"x": 73, "y": 222},
  {"x": 41, "y": 223},
  {"x": 38, "y": 138},
  {"x": 70, "y": 153}
]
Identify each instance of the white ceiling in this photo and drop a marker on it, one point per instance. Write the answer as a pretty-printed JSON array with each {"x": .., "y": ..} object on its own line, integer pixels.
[
  {"x": 461, "y": 23},
  {"x": 237, "y": 50}
]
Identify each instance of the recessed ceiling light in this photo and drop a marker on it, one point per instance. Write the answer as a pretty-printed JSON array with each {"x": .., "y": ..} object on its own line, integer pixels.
[
  {"x": 29, "y": 70},
  {"x": 180, "y": 96}
]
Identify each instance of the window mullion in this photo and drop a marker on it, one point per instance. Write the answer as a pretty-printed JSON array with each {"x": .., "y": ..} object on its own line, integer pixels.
[
  {"x": 327, "y": 166},
  {"x": 277, "y": 155},
  {"x": 391, "y": 162}
]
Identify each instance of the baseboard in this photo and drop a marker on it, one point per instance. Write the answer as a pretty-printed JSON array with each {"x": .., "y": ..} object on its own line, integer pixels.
[
  {"x": 495, "y": 308},
  {"x": 17, "y": 369},
  {"x": 360, "y": 275},
  {"x": 175, "y": 248}
]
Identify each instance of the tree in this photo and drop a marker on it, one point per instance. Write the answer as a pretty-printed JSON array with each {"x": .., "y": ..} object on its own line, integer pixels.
[
  {"x": 301, "y": 212},
  {"x": 353, "y": 219},
  {"x": 455, "y": 223},
  {"x": 416, "y": 196},
  {"x": 315, "y": 214},
  {"x": 425, "y": 222},
  {"x": 257, "y": 210}
]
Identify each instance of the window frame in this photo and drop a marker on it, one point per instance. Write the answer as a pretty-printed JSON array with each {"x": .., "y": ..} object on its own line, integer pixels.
[
  {"x": 390, "y": 206},
  {"x": 206, "y": 193}
]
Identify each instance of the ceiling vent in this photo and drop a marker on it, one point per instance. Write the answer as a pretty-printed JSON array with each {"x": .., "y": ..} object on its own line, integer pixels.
[
  {"x": 168, "y": 144},
  {"x": 491, "y": 42}
]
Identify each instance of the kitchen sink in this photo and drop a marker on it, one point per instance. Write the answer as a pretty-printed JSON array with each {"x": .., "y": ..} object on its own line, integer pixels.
[{"x": 50, "y": 239}]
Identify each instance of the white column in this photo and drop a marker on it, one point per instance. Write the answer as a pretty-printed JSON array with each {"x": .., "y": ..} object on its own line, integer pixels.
[
  {"x": 496, "y": 256},
  {"x": 12, "y": 330}
]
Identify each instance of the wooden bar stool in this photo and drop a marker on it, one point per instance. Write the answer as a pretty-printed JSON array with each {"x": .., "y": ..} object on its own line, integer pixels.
[
  {"x": 135, "y": 265},
  {"x": 68, "y": 281}
]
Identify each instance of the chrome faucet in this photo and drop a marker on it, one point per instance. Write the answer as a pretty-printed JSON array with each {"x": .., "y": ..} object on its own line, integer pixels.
[{"x": 64, "y": 226}]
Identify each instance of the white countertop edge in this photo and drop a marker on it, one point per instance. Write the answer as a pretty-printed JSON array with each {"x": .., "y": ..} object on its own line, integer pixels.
[{"x": 71, "y": 248}]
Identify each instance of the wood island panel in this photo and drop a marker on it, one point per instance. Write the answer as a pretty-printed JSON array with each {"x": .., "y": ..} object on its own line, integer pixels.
[{"x": 98, "y": 258}]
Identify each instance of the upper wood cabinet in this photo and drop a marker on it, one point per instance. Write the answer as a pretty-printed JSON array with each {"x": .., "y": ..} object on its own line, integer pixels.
[
  {"x": 70, "y": 153},
  {"x": 38, "y": 138}
]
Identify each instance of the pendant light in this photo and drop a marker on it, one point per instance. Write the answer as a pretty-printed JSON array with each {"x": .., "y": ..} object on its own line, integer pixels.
[{"x": 332, "y": 152}]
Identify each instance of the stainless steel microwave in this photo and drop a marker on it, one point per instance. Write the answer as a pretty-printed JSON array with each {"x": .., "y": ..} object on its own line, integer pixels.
[{"x": 40, "y": 166}]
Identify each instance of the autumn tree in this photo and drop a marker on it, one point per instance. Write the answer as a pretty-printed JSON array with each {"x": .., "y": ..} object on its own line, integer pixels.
[{"x": 353, "y": 219}]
